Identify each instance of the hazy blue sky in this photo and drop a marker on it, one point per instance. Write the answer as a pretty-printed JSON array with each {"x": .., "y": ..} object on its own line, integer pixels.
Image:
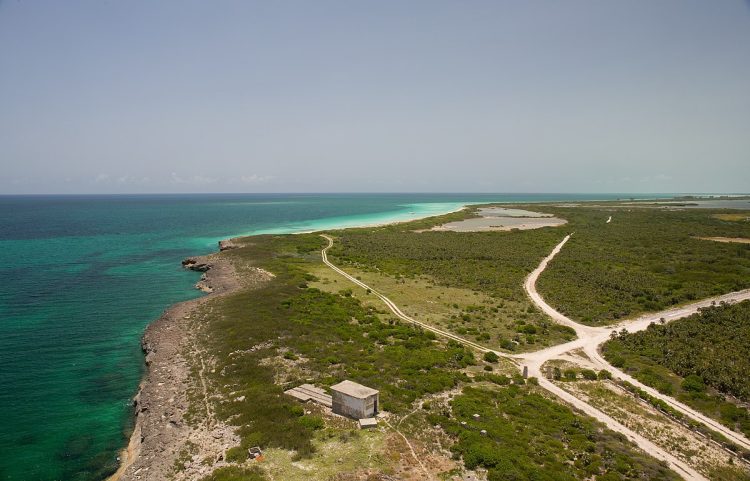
[{"x": 522, "y": 96}]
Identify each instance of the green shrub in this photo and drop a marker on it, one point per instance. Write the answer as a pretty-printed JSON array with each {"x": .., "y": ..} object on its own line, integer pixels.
[
  {"x": 589, "y": 375},
  {"x": 296, "y": 410},
  {"x": 523, "y": 441},
  {"x": 311, "y": 422},
  {"x": 617, "y": 361},
  {"x": 528, "y": 329},
  {"x": 490, "y": 356},
  {"x": 234, "y": 473},
  {"x": 237, "y": 454},
  {"x": 693, "y": 383},
  {"x": 499, "y": 379}
]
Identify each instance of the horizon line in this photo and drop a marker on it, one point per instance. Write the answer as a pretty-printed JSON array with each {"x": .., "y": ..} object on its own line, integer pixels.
[{"x": 92, "y": 194}]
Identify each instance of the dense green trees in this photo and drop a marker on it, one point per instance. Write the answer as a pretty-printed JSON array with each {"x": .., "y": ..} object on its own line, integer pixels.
[
  {"x": 644, "y": 260},
  {"x": 520, "y": 434},
  {"x": 697, "y": 358}
]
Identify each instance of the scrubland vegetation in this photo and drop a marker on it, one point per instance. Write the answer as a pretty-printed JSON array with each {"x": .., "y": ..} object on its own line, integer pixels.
[
  {"x": 663, "y": 425},
  {"x": 320, "y": 332},
  {"x": 702, "y": 360},
  {"x": 331, "y": 336},
  {"x": 232, "y": 473},
  {"x": 496, "y": 323},
  {"x": 491, "y": 263},
  {"x": 644, "y": 260},
  {"x": 528, "y": 436}
]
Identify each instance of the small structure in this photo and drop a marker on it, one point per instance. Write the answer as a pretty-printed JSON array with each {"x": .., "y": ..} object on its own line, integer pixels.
[
  {"x": 368, "y": 423},
  {"x": 354, "y": 400},
  {"x": 308, "y": 392}
]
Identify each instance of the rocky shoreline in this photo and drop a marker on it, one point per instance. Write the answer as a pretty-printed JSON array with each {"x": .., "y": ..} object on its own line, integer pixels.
[{"x": 160, "y": 406}]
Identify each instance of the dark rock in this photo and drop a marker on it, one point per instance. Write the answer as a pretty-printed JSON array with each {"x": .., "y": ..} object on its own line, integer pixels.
[
  {"x": 195, "y": 265},
  {"x": 227, "y": 244}
]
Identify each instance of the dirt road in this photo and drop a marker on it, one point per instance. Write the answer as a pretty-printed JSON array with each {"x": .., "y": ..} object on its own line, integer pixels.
[
  {"x": 591, "y": 338},
  {"x": 535, "y": 362}
]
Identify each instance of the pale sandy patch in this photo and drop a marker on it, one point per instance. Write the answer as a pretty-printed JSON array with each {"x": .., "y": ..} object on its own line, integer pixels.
[
  {"x": 737, "y": 240},
  {"x": 502, "y": 219}
]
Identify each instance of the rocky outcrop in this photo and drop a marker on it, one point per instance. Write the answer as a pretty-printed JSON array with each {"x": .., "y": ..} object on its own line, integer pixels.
[
  {"x": 196, "y": 264},
  {"x": 227, "y": 244},
  {"x": 162, "y": 401},
  {"x": 201, "y": 264}
]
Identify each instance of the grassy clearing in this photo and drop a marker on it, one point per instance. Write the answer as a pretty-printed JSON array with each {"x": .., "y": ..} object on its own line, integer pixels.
[
  {"x": 733, "y": 217},
  {"x": 499, "y": 324},
  {"x": 337, "y": 450}
]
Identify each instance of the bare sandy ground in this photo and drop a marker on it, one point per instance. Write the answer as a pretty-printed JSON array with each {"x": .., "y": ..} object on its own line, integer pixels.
[
  {"x": 500, "y": 218},
  {"x": 738, "y": 240}
]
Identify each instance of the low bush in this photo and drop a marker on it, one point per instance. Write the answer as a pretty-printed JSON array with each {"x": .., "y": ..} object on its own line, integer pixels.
[
  {"x": 589, "y": 375},
  {"x": 524, "y": 439},
  {"x": 237, "y": 454},
  {"x": 490, "y": 356},
  {"x": 234, "y": 473}
]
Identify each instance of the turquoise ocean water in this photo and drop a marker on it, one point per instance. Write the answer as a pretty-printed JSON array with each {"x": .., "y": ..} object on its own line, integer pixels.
[{"x": 83, "y": 276}]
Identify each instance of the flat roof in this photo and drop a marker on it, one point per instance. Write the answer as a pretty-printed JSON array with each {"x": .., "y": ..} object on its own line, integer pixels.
[{"x": 353, "y": 389}]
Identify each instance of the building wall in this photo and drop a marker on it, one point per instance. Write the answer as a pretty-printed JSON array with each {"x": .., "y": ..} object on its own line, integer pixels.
[{"x": 353, "y": 407}]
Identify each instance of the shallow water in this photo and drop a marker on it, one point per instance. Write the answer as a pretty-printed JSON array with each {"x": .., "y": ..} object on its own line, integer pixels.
[{"x": 83, "y": 276}]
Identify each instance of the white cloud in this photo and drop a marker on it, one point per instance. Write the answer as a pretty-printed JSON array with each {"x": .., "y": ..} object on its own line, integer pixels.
[
  {"x": 129, "y": 179},
  {"x": 194, "y": 180},
  {"x": 251, "y": 179}
]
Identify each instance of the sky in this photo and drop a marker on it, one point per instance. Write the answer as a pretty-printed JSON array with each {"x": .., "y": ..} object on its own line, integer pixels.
[{"x": 107, "y": 96}]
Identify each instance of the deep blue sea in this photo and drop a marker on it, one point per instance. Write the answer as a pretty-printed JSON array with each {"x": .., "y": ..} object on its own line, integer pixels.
[{"x": 82, "y": 276}]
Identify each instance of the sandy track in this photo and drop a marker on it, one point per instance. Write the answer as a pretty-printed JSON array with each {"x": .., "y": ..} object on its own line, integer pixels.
[
  {"x": 392, "y": 306},
  {"x": 591, "y": 338},
  {"x": 676, "y": 464}
]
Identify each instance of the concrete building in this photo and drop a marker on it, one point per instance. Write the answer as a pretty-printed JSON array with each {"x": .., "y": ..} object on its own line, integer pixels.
[{"x": 354, "y": 400}]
